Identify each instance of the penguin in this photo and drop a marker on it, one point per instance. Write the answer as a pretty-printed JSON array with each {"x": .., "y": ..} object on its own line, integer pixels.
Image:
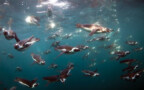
[
  {"x": 30, "y": 84},
  {"x": 37, "y": 59},
  {"x": 93, "y": 29},
  {"x": 24, "y": 44}
]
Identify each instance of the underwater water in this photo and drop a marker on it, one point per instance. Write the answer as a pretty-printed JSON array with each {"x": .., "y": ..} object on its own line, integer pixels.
[{"x": 124, "y": 17}]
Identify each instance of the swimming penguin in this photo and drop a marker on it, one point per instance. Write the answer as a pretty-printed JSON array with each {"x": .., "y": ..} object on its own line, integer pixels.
[
  {"x": 66, "y": 72},
  {"x": 49, "y": 11},
  {"x": 133, "y": 75},
  {"x": 132, "y": 43},
  {"x": 130, "y": 68},
  {"x": 18, "y": 69},
  {"x": 9, "y": 34},
  {"x": 93, "y": 29},
  {"x": 51, "y": 79},
  {"x": 24, "y": 44},
  {"x": 30, "y": 84},
  {"x": 54, "y": 66},
  {"x": 55, "y": 44},
  {"x": 128, "y": 61},
  {"x": 121, "y": 54},
  {"x": 13, "y": 88},
  {"x": 67, "y": 49},
  {"x": 33, "y": 20},
  {"x": 138, "y": 49},
  {"x": 90, "y": 73},
  {"x": 37, "y": 59}
]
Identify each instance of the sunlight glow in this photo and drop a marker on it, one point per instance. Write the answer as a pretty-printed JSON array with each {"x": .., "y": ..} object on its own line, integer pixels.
[
  {"x": 28, "y": 19},
  {"x": 53, "y": 1},
  {"x": 52, "y": 25},
  {"x": 63, "y": 5},
  {"x": 39, "y": 6},
  {"x": 41, "y": 11}
]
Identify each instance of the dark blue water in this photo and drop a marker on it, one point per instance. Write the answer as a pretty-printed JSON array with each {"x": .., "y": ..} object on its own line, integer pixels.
[{"x": 124, "y": 15}]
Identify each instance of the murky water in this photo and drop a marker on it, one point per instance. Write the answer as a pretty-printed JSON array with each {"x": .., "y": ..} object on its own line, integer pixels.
[{"x": 92, "y": 35}]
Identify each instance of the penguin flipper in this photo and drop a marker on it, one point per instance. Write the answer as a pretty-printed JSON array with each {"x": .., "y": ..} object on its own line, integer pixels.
[{"x": 92, "y": 32}]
